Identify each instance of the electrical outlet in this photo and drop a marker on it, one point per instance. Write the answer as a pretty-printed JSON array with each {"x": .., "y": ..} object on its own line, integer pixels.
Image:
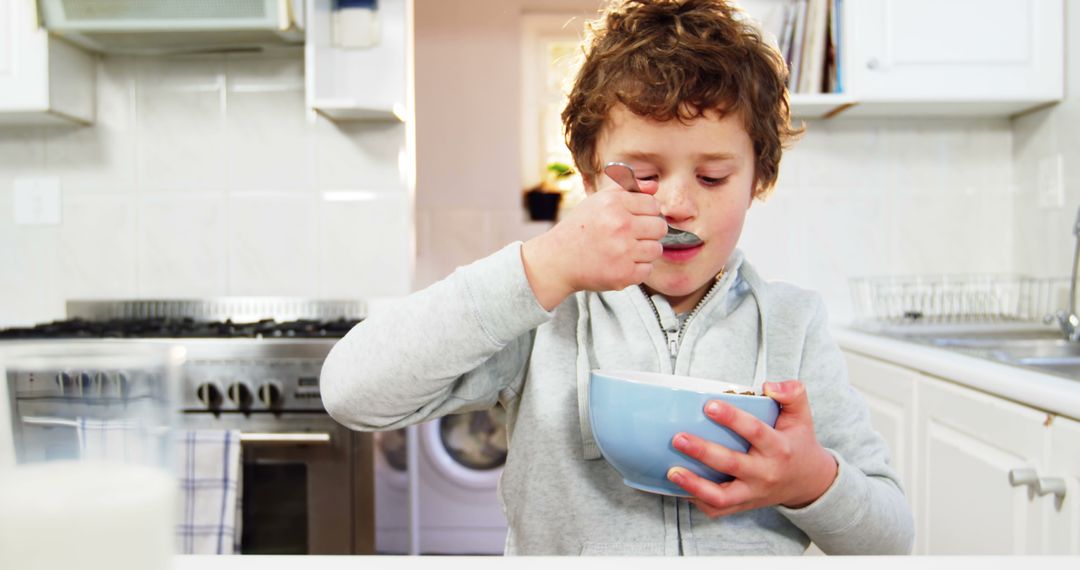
[
  {"x": 1051, "y": 182},
  {"x": 37, "y": 201}
]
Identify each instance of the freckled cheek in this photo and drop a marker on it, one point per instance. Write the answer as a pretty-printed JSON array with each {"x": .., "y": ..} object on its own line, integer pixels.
[{"x": 728, "y": 223}]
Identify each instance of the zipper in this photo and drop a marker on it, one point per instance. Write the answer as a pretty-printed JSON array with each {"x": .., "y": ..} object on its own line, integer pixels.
[
  {"x": 674, "y": 341},
  {"x": 673, "y": 349}
]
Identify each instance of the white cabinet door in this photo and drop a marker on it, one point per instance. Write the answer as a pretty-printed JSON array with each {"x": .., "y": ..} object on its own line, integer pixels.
[
  {"x": 42, "y": 79},
  {"x": 964, "y": 52},
  {"x": 890, "y": 394},
  {"x": 23, "y": 58},
  {"x": 967, "y": 444},
  {"x": 359, "y": 83},
  {"x": 1063, "y": 514}
]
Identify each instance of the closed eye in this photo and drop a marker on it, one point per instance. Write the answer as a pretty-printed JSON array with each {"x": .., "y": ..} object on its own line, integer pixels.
[{"x": 709, "y": 181}]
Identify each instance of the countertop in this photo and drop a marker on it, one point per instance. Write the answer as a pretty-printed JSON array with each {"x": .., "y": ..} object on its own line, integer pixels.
[
  {"x": 1043, "y": 391},
  {"x": 482, "y": 562},
  {"x": 570, "y": 563}
]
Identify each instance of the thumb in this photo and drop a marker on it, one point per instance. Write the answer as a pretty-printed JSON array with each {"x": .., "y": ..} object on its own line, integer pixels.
[{"x": 791, "y": 395}]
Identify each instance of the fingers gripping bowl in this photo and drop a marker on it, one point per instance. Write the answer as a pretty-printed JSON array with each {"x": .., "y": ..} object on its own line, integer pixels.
[{"x": 635, "y": 415}]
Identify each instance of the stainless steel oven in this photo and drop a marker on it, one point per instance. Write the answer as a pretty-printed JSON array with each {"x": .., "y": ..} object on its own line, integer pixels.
[{"x": 307, "y": 482}]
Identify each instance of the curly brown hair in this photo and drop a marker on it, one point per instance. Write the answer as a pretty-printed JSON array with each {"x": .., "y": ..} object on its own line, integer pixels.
[{"x": 668, "y": 59}]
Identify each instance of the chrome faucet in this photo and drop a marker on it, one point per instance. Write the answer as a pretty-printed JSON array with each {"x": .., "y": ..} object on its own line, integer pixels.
[{"x": 1068, "y": 320}]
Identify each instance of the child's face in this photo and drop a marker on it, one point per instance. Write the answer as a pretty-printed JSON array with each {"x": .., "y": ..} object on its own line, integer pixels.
[{"x": 703, "y": 173}]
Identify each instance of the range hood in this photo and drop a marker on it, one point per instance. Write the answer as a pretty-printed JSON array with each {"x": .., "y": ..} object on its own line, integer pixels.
[{"x": 174, "y": 26}]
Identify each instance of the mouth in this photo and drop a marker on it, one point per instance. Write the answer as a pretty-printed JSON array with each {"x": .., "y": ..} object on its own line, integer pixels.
[{"x": 682, "y": 252}]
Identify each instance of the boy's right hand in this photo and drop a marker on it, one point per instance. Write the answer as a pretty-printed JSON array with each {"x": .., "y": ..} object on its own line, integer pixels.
[{"x": 607, "y": 243}]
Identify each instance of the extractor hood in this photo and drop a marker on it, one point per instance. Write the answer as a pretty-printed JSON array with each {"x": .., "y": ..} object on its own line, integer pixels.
[{"x": 174, "y": 26}]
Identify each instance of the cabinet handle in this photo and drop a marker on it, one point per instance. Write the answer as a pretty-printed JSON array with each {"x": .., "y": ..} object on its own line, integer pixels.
[
  {"x": 1051, "y": 485},
  {"x": 1023, "y": 477},
  {"x": 304, "y": 438}
]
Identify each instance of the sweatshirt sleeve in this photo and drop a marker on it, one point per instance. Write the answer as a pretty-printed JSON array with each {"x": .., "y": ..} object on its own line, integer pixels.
[
  {"x": 452, "y": 347},
  {"x": 864, "y": 510}
]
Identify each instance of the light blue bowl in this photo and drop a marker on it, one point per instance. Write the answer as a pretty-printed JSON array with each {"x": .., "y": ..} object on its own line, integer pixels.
[{"x": 635, "y": 415}]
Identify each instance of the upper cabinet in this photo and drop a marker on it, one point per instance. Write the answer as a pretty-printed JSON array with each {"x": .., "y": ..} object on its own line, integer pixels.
[
  {"x": 357, "y": 59},
  {"x": 991, "y": 57},
  {"x": 918, "y": 57},
  {"x": 43, "y": 80}
]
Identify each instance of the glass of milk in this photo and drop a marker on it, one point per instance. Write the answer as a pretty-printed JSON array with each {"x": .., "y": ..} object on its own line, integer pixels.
[{"x": 92, "y": 484}]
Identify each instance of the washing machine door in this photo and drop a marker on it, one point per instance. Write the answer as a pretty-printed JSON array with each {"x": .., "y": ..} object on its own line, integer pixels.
[
  {"x": 468, "y": 449},
  {"x": 391, "y": 458}
]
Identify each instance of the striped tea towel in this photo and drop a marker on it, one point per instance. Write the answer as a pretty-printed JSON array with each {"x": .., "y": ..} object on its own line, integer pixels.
[{"x": 209, "y": 470}]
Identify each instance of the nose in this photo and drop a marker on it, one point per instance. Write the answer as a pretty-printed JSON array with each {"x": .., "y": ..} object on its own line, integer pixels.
[{"x": 676, "y": 202}]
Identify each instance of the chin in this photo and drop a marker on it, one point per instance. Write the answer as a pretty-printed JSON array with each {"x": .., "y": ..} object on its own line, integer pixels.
[{"x": 673, "y": 285}]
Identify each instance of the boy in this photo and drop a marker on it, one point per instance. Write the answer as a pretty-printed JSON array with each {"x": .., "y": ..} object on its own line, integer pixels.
[{"x": 694, "y": 100}]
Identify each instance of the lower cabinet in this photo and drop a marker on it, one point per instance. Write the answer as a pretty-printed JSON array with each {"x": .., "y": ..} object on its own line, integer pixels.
[
  {"x": 1063, "y": 513},
  {"x": 983, "y": 475}
]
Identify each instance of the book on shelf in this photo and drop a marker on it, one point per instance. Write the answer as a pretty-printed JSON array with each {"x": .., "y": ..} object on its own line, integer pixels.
[
  {"x": 798, "y": 36},
  {"x": 810, "y": 44}
]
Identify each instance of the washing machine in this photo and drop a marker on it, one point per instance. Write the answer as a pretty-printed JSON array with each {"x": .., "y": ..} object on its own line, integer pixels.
[
  {"x": 391, "y": 493},
  {"x": 460, "y": 459}
]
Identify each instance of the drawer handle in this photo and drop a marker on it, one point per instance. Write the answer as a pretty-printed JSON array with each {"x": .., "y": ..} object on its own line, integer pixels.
[
  {"x": 1023, "y": 477},
  {"x": 1051, "y": 485},
  {"x": 302, "y": 438}
]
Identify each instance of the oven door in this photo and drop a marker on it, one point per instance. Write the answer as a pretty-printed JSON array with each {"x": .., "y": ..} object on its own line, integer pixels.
[{"x": 308, "y": 483}]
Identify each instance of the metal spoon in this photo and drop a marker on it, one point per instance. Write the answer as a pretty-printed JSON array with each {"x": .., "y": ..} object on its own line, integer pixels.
[{"x": 623, "y": 175}]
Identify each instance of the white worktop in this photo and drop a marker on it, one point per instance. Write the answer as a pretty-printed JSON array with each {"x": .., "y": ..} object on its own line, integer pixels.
[
  {"x": 1043, "y": 391},
  {"x": 592, "y": 563}
]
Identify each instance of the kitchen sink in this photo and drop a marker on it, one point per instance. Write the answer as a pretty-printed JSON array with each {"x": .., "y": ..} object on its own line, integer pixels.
[{"x": 1043, "y": 350}]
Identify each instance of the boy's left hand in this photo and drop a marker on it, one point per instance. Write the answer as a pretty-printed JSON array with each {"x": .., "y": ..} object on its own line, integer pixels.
[{"x": 784, "y": 466}]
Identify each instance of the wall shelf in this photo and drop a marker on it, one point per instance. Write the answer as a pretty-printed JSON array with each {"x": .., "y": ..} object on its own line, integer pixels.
[{"x": 820, "y": 105}]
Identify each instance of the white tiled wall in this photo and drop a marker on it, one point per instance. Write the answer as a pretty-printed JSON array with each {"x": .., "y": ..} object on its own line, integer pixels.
[
  {"x": 205, "y": 176},
  {"x": 886, "y": 197},
  {"x": 1044, "y": 242}
]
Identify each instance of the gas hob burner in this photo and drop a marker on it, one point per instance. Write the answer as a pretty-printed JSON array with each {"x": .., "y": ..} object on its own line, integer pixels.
[{"x": 162, "y": 327}]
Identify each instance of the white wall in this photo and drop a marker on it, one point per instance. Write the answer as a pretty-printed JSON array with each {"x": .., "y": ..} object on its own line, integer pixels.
[
  {"x": 856, "y": 197},
  {"x": 1044, "y": 240},
  {"x": 868, "y": 197},
  {"x": 203, "y": 176}
]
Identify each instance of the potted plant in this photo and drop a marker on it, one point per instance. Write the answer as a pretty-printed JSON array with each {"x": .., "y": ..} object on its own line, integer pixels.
[{"x": 543, "y": 200}]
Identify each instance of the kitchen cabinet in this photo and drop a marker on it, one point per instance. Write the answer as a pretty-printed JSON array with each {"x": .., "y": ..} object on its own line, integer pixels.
[
  {"x": 43, "y": 80},
  {"x": 1063, "y": 514},
  {"x": 958, "y": 451},
  {"x": 890, "y": 394},
  {"x": 967, "y": 444},
  {"x": 956, "y": 57},
  {"x": 359, "y": 83}
]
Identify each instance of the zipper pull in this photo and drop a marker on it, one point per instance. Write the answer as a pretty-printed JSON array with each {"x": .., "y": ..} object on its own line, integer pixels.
[{"x": 673, "y": 346}]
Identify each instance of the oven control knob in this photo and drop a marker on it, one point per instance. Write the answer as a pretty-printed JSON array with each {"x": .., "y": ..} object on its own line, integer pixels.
[
  {"x": 270, "y": 394},
  {"x": 64, "y": 383},
  {"x": 103, "y": 384},
  {"x": 210, "y": 395},
  {"x": 240, "y": 394},
  {"x": 123, "y": 386},
  {"x": 84, "y": 384}
]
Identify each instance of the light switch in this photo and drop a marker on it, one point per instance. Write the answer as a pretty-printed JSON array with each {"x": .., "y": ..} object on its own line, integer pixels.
[
  {"x": 37, "y": 201},
  {"x": 1051, "y": 183}
]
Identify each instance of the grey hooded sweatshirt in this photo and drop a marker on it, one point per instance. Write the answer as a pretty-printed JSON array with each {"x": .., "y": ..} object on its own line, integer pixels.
[{"x": 479, "y": 337}]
